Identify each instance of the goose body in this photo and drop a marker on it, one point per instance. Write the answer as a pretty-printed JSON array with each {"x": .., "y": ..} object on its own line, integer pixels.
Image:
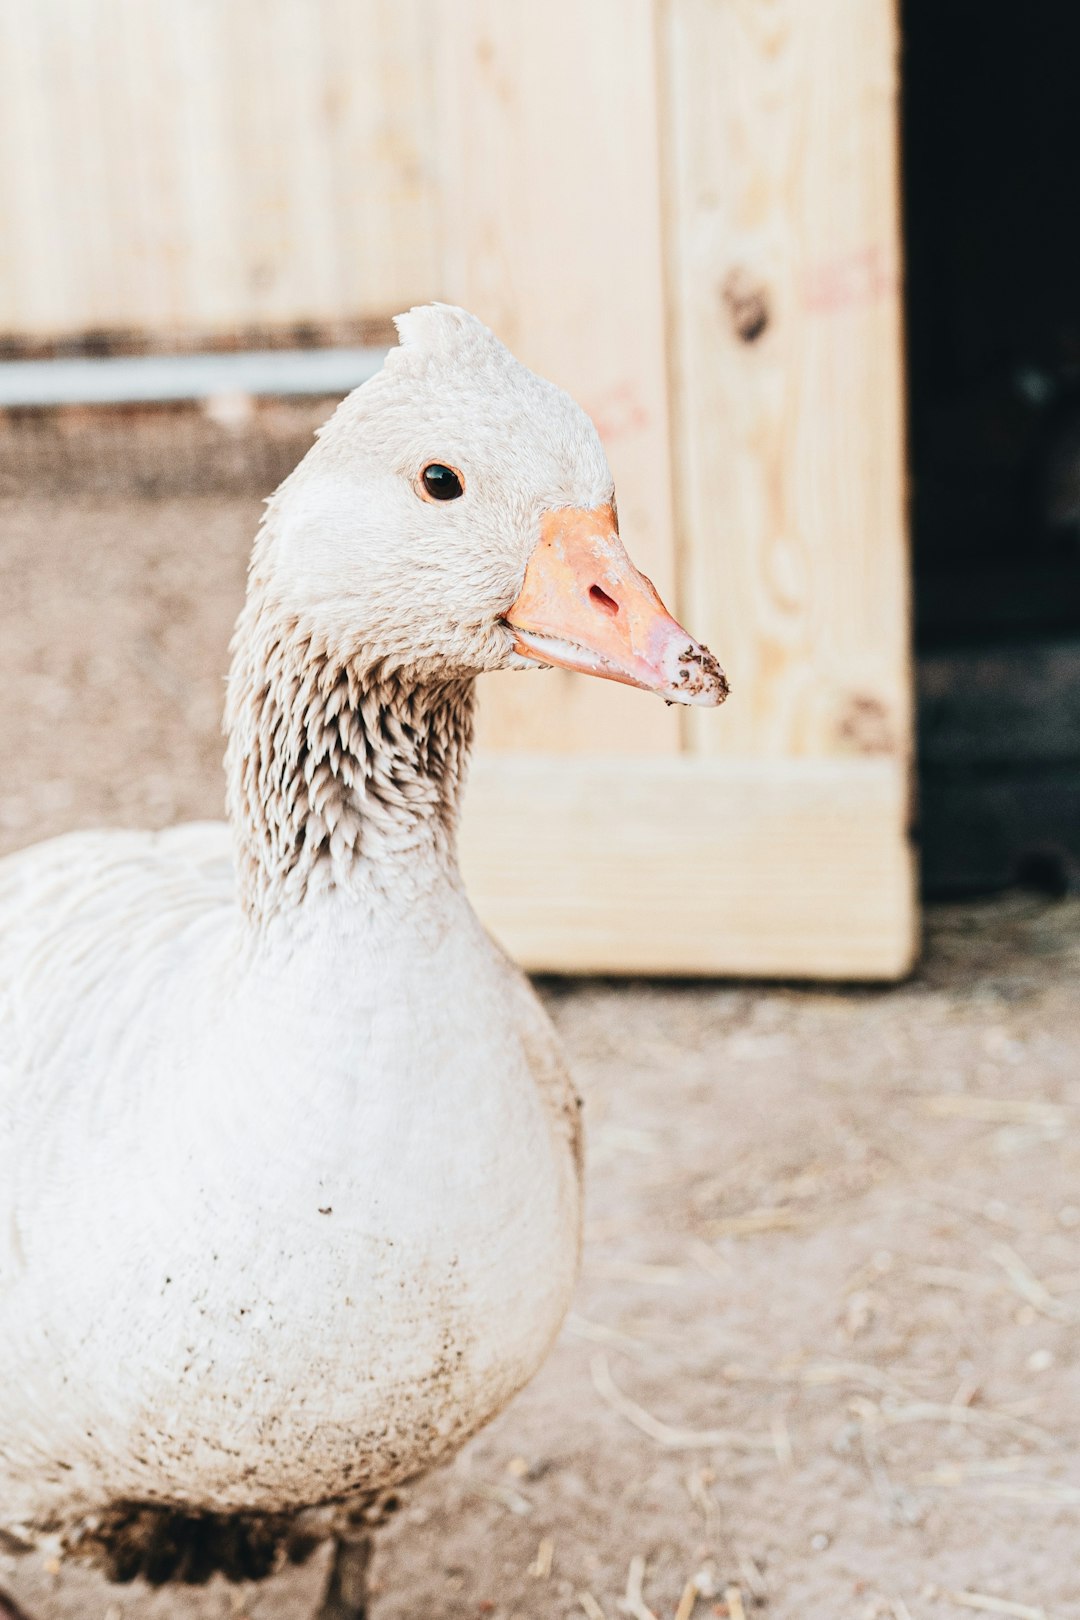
[
  {"x": 289, "y": 1157},
  {"x": 239, "y": 1272}
]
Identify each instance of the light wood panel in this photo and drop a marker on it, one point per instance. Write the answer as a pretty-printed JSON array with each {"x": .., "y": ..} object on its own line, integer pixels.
[
  {"x": 214, "y": 164},
  {"x": 781, "y": 130},
  {"x": 552, "y": 233},
  {"x": 784, "y": 868},
  {"x": 788, "y": 855}
]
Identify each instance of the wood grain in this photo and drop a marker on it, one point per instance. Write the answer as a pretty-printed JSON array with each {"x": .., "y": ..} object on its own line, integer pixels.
[
  {"x": 552, "y": 233},
  {"x": 784, "y": 271},
  {"x": 699, "y": 866},
  {"x": 215, "y": 164}
]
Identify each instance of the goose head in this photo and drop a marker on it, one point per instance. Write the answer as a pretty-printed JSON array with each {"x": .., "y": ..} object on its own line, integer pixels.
[{"x": 457, "y": 515}]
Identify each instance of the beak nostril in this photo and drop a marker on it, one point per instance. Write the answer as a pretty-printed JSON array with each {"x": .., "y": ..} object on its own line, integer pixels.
[{"x": 603, "y": 600}]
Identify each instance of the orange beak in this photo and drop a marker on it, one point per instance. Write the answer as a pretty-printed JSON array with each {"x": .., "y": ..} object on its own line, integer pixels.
[{"x": 583, "y": 605}]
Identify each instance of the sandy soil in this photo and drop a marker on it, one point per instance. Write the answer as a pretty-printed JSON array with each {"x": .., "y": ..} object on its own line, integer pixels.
[{"x": 824, "y": 1359}]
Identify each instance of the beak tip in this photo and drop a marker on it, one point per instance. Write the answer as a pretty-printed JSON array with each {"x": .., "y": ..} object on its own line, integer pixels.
[{"x": 700, "y": 680}]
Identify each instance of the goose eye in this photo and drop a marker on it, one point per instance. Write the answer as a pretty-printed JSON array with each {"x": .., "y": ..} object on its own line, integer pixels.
[{"x": 441, "y": 483}]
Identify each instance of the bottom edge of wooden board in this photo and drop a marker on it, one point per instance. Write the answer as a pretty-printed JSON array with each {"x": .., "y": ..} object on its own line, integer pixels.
[{"x": 796, "y": 869}]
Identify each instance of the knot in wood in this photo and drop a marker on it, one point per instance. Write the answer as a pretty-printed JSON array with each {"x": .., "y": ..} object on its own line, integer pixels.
[{"x": 747, "y": 302}]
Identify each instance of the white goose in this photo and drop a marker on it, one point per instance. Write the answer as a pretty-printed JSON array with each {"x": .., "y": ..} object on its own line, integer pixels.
[{"x": 289, "y": 1157}]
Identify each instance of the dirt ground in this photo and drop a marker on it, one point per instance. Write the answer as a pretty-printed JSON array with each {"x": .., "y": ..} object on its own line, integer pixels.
[{"x": 824, "y": 1358}]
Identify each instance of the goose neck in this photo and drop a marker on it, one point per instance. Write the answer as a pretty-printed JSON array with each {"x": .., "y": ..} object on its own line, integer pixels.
[{"x": 342, "y": 772}]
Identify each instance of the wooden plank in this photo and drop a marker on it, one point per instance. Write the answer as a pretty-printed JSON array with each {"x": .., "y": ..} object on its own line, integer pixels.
[
  {"x": 697, "y": 866},
  {"x": 34, "y": 252},
  {"x": 552, "y": 233},
  {"x": 781, "y": 125},
  {"x": 222, "y": 164}
]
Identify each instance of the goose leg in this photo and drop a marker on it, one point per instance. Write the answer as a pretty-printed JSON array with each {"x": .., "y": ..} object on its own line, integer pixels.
[{"x": 345, "y": 1597}]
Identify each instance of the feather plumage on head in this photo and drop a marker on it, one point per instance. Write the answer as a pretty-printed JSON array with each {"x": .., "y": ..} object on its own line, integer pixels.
[
  {"x": 448, "y": 332},
  {"x": 361, "y": 587}
]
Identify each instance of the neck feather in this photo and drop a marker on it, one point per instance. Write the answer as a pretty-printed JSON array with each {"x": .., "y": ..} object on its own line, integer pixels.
[{"x": 340, "y": 773}]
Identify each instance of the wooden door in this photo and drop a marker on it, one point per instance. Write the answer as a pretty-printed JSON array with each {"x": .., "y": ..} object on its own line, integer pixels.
[{"x": 686, "y": 211}]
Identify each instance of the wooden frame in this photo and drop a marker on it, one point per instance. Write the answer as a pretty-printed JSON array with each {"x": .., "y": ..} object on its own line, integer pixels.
[
  {"x": 693, "y": 866},
  {"x": 728, "y": 200}
]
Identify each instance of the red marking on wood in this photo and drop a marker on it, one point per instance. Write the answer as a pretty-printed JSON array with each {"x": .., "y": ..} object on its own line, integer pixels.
[
  {"x": 618, "y": 412},
  {"x": 864, "y": 276}
]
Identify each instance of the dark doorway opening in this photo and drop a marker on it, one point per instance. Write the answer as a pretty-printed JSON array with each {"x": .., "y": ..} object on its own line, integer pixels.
[{"x": 992, "y": 203}]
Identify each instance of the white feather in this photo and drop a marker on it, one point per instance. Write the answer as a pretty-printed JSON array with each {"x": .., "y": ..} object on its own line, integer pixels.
[{"x": 289, "y": 1157}]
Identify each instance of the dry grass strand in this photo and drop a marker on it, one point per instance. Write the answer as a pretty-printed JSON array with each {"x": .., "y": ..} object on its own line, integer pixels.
[{"x": 664, "y": 1434}]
